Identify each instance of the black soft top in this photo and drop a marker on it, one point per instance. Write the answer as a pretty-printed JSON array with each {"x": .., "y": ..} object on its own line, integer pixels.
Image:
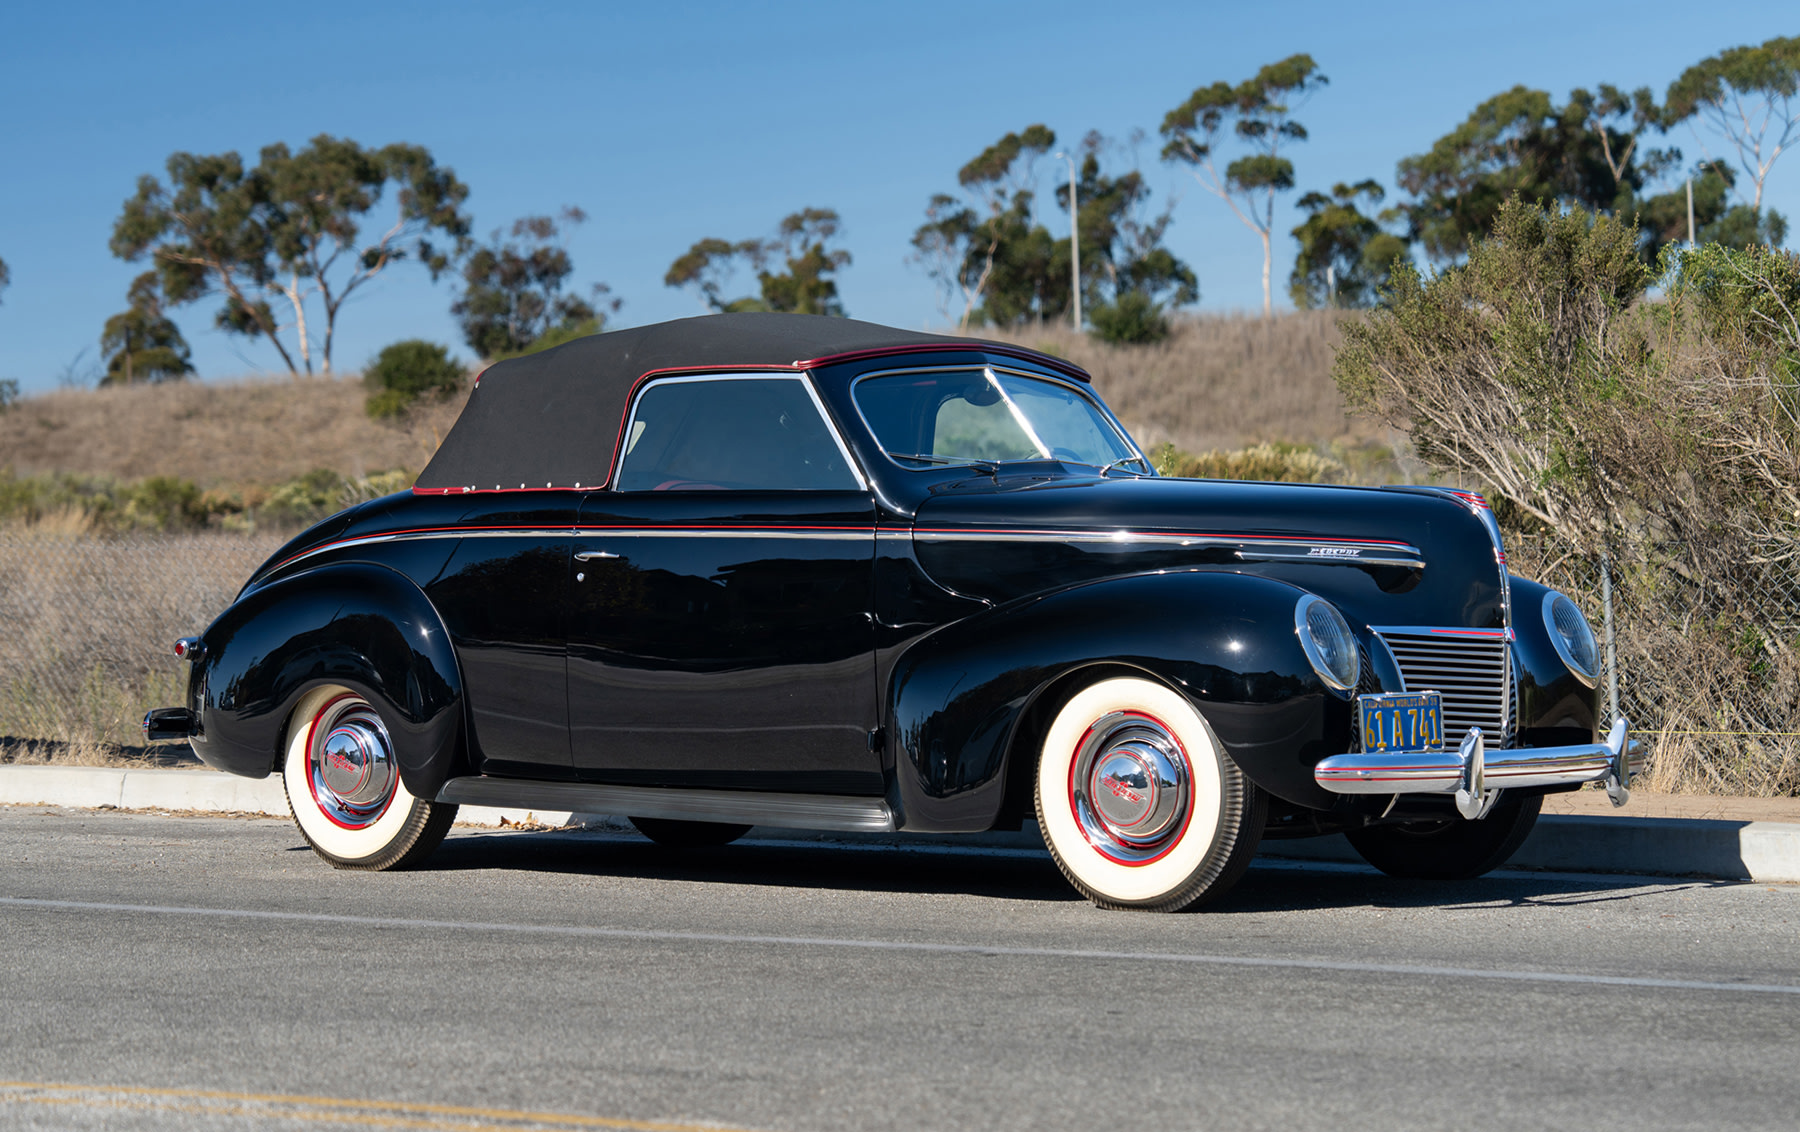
[{"x": 552, "y": 419}]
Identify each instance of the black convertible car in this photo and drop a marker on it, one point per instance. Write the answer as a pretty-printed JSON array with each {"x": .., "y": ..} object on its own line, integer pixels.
[{"x": 784, "y": 570}]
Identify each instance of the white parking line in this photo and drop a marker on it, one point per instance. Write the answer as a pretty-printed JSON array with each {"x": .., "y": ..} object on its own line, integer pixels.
[{"x": 584, "y": 932}]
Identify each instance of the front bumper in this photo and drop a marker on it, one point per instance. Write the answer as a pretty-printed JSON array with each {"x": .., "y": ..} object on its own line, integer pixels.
[{"x": 1474, "y": 774}]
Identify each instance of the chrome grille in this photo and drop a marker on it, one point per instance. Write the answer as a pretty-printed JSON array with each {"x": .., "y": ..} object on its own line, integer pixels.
[{"x": 1472, "y": 675}]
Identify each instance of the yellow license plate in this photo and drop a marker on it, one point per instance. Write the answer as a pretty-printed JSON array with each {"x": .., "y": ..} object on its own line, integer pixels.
[{"x": 1402, "y": 721}]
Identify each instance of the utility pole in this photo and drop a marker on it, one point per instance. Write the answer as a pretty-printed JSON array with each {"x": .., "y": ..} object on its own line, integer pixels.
[
  {"x": 1690, "y": 184},
  {"x": 1074, "y": 240}
]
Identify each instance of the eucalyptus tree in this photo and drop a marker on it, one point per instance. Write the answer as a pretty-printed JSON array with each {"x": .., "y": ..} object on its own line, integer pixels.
[
  {"x": 1589, "y": 152},
  {"x": 1345, "y": 256},
  {"x": 1751, "y": 97},
  {"x": 513, "y": 299},
  {"x": 984, "y": 246},
  {"x": 272, "y": 240},
  {"x": 1129, "y": 277},
  {"x": 1259, "y": 112},
  {"x": 801, "y": 248},
  {"x": 141, "y": 343}
]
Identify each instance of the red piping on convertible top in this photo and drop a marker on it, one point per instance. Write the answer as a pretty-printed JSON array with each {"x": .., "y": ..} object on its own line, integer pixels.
[{"x": 974, "y": 347}]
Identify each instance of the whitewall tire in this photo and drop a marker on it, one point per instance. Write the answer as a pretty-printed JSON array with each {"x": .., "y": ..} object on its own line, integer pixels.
[
  {"x": 1138, "y": 804},
  {"x": 344, "y": 790}
]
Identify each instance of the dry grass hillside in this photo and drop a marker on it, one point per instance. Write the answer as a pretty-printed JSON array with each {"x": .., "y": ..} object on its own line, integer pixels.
[
  {"x": 215, "y": 434},
  {"x": 1220, "y": 382}
]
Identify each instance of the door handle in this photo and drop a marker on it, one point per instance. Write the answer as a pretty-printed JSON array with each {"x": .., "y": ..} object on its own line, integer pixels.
[{"x": 590, "y": 555}]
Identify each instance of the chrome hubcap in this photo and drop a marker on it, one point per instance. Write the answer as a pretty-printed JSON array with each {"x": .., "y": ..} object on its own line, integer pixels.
[
  {"x": 350, "y": 764},
  {"x": 1130, "y": 787}
]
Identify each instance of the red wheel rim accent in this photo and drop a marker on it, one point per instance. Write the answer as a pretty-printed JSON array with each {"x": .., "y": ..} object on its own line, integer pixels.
[{"x": 1187, "y": 816}]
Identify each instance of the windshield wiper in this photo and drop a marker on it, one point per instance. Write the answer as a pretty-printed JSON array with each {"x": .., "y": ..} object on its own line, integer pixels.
[
  {"x": 985, "y": 467},
  {"x": 1119, "y": 463}
]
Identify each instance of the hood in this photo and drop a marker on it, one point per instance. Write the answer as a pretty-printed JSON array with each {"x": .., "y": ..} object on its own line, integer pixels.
[{"x": 1386, "y": 556}]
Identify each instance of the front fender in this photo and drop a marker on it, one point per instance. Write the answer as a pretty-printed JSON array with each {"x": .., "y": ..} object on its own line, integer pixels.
[
  {"x": 1555, "y": 708},
  {"x": 363, "y": 626},
  {"x": 1225, "y": 640}
]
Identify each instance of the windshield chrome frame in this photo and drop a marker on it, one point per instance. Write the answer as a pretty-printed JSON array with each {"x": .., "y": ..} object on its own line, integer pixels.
[{"x": 989, "y": 370}]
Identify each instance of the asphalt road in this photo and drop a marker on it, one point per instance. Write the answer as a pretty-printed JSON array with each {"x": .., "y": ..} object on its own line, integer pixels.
[{"x": 211, "y": 973}]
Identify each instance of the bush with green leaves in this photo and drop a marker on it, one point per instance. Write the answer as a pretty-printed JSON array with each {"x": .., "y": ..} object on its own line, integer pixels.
[
  {"x": 1134, "y": 319},
  {"x": 1648, "y": 414},
  {"x": 171, "y": 504},
  {"x": 407, "y": 371},
  {"x": 1269, "y": 462}
]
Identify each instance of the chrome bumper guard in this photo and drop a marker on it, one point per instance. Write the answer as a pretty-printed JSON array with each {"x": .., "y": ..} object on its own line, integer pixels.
[{"x": 1476, "y": 775}]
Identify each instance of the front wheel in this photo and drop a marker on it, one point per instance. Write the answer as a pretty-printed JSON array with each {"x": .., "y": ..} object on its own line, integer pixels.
[
  {"x": 1137, "y": 802},
  {"x": 344, "y": 790},
  {"x": 1453, "y": 849}
]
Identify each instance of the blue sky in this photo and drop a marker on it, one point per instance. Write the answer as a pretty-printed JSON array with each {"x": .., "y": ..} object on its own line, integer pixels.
[{"x": 673, "y": 121}]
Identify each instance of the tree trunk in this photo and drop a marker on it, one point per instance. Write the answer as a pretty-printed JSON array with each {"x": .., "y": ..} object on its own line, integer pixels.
[{"x": 1267, "y": 304}]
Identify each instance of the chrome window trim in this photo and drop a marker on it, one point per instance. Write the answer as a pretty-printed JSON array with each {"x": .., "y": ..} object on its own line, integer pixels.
[
  {"x": 637, "y": 399},
  {"x": 990, "y": 369}
]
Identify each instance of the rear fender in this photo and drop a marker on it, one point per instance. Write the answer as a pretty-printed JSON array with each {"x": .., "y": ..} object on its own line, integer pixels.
[
  {"x": 961, "y": 701},
  {"x": 365, "y": 627}
]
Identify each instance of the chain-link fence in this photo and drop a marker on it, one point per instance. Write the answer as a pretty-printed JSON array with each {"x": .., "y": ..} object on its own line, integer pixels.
[
  {"x": 1708, "y": 674},
  {"x": 89, "y": 621},
  {"x": 1705, "y": 664}
]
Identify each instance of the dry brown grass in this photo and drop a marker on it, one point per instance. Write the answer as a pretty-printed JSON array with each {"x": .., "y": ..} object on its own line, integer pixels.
[
  {"x": 216, "y": 434},
  {"x": 90, "y": 621},
  {"x": 1221, "y": 381}
]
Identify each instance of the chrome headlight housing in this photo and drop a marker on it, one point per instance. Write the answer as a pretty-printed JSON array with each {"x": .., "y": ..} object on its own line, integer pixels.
[
  {"x": 1573, "y": 639},
  {"x": 1329, "y": 644}
]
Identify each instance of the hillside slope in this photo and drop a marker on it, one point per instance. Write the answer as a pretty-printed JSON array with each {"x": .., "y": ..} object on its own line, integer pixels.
[
  {"x": 215, "y": 434},
  {"x": 1218, "y": 382}
]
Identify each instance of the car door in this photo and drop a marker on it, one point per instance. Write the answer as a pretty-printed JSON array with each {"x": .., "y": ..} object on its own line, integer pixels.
[{"x": 720, "y": 627}]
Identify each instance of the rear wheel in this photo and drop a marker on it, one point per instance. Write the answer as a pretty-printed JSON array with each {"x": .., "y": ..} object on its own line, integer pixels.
[
  {"x": 689, "y": 834},
  {"x": 1453, "y": 849},
  {"x": 344, "y": 790},
  {"x": 1139, "y": 805}
]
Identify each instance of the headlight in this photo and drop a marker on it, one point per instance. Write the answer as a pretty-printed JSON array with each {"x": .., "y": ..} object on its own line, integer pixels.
[
  {"x": 1573, "y": 639},
  {"x": 1328, "y": 642}
]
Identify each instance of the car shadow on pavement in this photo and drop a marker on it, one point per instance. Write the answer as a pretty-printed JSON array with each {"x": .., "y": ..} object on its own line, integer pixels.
[
  {"x": 1293, "y": 886},
  {"x": 817, "y": 865},
  {"x": 932, "y": 870}
]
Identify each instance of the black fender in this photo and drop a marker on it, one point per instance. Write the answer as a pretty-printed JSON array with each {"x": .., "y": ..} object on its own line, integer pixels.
[
  {"x": 356, "y": 624},
  {"x": 1555, "y": 708},
  {"x": 958, "y": 697}
]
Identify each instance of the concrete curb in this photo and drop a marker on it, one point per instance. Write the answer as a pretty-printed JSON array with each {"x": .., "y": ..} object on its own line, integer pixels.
[
  {"x": 1709, "y": 848},
  {"x": 207, "y": 791}
]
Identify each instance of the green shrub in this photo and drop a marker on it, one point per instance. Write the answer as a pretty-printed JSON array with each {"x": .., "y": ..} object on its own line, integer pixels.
[
  {"x": 557, "y": 335},
  {"x": 1287, "y": 463},
  {"x": 1134, "y": 320},
  {"x": 407, "y": 371}
]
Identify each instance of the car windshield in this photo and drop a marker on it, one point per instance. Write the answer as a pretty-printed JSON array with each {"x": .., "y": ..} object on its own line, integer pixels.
[{"x": 959, "y": 416}]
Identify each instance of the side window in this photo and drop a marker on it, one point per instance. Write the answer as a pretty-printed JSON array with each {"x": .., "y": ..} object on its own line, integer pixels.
[{"x": 733, "y": 434}]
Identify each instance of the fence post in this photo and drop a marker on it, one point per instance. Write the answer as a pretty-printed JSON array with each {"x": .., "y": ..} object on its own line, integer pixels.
[{"x": 1612, "y": 656}]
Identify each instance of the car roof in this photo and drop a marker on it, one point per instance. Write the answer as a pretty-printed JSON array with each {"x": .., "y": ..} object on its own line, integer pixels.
[{"x": 553, "y": 419}]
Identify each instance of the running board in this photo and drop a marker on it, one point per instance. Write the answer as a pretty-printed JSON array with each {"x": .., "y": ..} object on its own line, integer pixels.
[{"x": 740, "y": 807}]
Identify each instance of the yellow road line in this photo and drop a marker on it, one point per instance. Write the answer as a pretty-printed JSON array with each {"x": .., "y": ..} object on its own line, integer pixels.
[{"x": 146, "y": 1097}]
